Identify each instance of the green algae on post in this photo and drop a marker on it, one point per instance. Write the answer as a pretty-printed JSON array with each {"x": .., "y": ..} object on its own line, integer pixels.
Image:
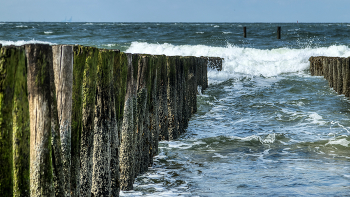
[
  {"x": 78, "y": 73},
  {"x": 21, "y": 130},
  {"x": 88, "y": 110},
  {"x": 8, "y": 61},
  {"x": 101, "y": 173}
]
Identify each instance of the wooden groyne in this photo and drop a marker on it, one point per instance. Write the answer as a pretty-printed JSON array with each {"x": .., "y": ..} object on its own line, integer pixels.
[
  {"x": 83, "y": 121},
  {"x": 336, "y": 70}
]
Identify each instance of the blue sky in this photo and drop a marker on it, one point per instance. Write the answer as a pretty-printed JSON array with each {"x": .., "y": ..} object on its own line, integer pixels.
[{"x": 176, "y": 10}]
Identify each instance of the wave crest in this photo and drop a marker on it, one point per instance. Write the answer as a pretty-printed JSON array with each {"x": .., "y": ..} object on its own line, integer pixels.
[{"x": 246, "y": 61}]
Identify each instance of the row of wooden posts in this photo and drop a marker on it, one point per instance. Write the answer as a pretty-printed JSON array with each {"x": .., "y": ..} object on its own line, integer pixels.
[
  {"x": 83, "y": 121},
  {"x": 278, "y": 32},
  {"x": 335, "y": 69}
]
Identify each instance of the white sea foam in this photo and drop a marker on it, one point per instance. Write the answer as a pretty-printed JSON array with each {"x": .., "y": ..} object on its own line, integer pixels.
[
  {"x": 23, "y": 42},
  {"x": 178, "y": 144},
  {"x": 247, "y": 61},
  {"x": 48, "y": 32},
  {"x": 342, "y": 142},
  {"x": 109, "y": 45},
  {"x": 316, "y": 119}
]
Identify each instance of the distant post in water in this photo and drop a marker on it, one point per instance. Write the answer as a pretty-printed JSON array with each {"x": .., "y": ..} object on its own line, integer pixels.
[
  {"x": 278, "y": 32},
  {"x": 244, "y": 32}
]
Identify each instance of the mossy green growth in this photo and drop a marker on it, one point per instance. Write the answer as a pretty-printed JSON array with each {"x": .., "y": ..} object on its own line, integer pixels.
[
  {"x": 21, "y": 128},
  {"x": 120, "y": 74},
  {"x": 77, "y": 89},
  {"x": 104, "y": 67},
  {"x": 89, "y": 80},
  {"x": 8, "y": 64},
  {"x": 78, "y": 73}
]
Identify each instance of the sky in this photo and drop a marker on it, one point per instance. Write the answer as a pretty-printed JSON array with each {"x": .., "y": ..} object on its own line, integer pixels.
[{"x": 175, "y": 10}]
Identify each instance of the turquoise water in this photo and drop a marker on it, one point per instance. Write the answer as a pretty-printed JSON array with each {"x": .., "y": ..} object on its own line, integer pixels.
[{"x": 264, "y": 127}]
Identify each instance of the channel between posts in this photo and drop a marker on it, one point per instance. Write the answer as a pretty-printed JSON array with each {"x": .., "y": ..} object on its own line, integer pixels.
[
  {"x": 336, "y": 70},
  {"x": 83, "y": 121}
]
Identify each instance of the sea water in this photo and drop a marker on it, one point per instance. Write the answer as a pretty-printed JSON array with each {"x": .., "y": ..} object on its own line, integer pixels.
[{"x": 264, "y": 127}]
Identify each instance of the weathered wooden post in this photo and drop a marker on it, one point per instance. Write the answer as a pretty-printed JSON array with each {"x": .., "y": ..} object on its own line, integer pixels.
[
  {"x": 88, "y": 117},
  {"x": 115, "y": 185},
  {"x": 244, "y": 32},
  {"x": 39, "y": 58},
  {"x": 57, "y": 156},
  {"x": 330, "y": 71},
  {"x": 21, "y": 130},
  {"x": 142, "y": 94},
  {"x": 278, "y": 32},
  {"x": 63, "y": 77},
  {"x": 193, "y": 92},
  {"x": 172, "y": 61},
  {"x": 126, "y": 159},
  {"x": 14, "y": 123},
  {"x": 162, "y": 96},
  {"x": 204, "y": 65},
  {"x": 7, "y": 83},
  {"x": 339, "y": 76},
  {"x": 199, "y": 72},
  {"x": 335, "y": 74},
  {"x": 343, "y": 75},
  {"x": 138, "y": 115},
  {"x": 312, "y": 70},
  {"x": 346, "y": 70},
  {"x": 101, "y": 173},
  {"x": 186, "y": 111},
  {"x": 325, "y": 67},
  {"x": 154, "y": 113},
  {"x": 150, "y": 77},
  {"x": 181, "y": 94},
  {"x": 80, "y": 53}
]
